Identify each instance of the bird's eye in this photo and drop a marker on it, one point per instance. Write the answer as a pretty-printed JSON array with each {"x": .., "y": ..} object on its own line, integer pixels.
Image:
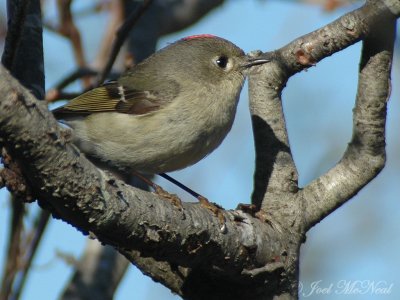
[{"x": 222, "y": 61}]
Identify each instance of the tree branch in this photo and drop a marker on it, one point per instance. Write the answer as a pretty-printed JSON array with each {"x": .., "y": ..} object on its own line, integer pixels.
[
  {"x": 23, "y": 56},
  {"x": 275, "y": 171},
  {"x": 30, "y": 246},
  {"x": 121, "y": 35},
  {"x": 276, "y": 190},
  {"x": 184, "y": 13},
  {"x": 163, "y": 18},
  {"x": 275, "y": 174},
  {"x": 365, "y": 155},
  {"x": 98, "y": 273},
  {"x": 24, "y": 46},
  {"x": 309, "y": 49},
  {"x": 14, "y": 254}
]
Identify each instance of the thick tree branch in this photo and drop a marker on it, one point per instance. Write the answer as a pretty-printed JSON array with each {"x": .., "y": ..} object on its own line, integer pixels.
[
  {"x": 184, "y": 13},
  {"x": 23, "y": 50},
  {"x": 275, "y": 174},
  {"x": 98, "y": 273},
  {"x": 23, "y": 56},
  {"x": 275, "y": 182},
  {"x": 275, "y": 171},
  {"x": 365, "y": 154},
  {"x": 16, "y": 12},
  {"x": 275, "y": 179},
  {"x": 309, "y": 49},
  {"x": 164, "y": 17},
  {"x": 170, "y": 275}
]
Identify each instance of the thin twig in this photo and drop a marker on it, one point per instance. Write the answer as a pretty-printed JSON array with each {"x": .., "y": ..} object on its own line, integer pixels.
[
  {"x": 56, "y": 95},
  {"x": 33, "y": 241},
  {"x": 14, "y": 248},
  {"x": 117, "y": 17},
  {"x": 2, "y": 182},
  {"x": 68, "y": 29},
  {"x": 79, "y": 73},
  {"x": 56, "y": 92},
  {"x": 121, "y": 35}
]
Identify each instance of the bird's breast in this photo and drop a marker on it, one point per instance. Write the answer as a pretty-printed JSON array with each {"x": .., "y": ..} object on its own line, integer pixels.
[{"x": 165, "y": 140}]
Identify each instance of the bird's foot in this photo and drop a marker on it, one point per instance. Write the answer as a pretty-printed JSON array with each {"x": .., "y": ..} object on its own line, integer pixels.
[
  {"x": 252, "y": 210},
  {"x": 172, "y": 198},
  {"x": 216, "y": 210}
]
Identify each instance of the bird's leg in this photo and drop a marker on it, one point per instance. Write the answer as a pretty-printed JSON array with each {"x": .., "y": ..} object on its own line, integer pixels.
[
  {"x": 173, "y": 199},
  {"x": 215, "y": 209}
]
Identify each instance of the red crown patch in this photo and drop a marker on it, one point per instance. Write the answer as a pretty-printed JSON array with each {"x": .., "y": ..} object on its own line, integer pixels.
[{"x": 197, "y": 36}]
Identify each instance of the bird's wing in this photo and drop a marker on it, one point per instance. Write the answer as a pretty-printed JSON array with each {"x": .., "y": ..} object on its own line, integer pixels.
[{"x": 112, "y": 97}]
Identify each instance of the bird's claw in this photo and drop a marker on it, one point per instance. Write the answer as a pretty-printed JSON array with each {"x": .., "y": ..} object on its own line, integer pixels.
[
  {"x": 172, "y": 198},
  {"x": 216, "y": 210}
]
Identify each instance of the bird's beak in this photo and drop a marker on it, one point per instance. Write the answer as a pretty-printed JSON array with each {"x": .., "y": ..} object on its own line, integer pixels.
[{"x": 256, "y": 60}]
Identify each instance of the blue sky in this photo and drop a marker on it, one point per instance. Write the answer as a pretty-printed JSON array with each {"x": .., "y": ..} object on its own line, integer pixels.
[{"x": 356, "y": 242}]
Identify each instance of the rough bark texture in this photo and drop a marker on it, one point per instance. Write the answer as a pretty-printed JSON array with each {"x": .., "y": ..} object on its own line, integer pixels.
[
  {"x": 257, "y": 258},
  {"x": 23, "y": 56}
]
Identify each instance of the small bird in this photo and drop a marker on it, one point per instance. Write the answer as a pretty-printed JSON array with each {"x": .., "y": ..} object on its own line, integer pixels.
[{"x": 167, "y": 112}]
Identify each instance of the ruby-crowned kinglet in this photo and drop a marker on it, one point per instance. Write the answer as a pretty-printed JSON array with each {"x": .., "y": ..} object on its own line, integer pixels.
[{"x": 167, "y": 112}]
